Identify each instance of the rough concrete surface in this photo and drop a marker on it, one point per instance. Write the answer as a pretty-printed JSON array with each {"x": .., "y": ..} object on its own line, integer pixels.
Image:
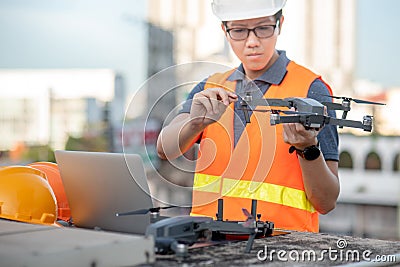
[{"x": 292, "y": 249}]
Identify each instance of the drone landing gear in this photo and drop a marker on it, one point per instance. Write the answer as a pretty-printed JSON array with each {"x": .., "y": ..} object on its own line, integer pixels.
[{"x": 250, "y": 242}]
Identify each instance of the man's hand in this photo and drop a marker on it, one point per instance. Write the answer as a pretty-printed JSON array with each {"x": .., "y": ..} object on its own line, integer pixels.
[
  {"x": 296, "y": 135},
  {"x": 209, "y": 105}
]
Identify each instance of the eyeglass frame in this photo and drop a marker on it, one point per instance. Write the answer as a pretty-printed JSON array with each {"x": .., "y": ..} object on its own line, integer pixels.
[{"x": 252, "y": 30}]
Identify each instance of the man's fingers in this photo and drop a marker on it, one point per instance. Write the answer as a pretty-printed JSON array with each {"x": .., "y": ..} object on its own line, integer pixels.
[
  {"x": 232, "y": 97},
  {"x": 207, "y": 102},
  {"x": 221, "y": 95},
  {"x": 217, "y": 96},
  {"x": 299, "y": 127}
]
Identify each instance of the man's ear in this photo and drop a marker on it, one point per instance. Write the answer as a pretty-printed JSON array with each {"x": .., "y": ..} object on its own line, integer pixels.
[
  {"x": 281, "y": 23},
  {"x": 223, "y": 28}
]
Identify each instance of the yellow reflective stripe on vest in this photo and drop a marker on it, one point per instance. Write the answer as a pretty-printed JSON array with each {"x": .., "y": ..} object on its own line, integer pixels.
[
  {"x": 207, "y": 183},
  {"x": 277, "y": 194}
]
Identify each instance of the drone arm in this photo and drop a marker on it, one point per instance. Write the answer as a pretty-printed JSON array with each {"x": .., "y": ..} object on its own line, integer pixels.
[
  {"x": 277, "y": 119},
  {"x": 366, "y": 124},
  {"x": 273, "y": 102},
  {"x": 248, "y": 101},
  {"x": 333, "y": 106},
  {"x": 309, "y": 121},
  {"x": 223, "y": 226}
]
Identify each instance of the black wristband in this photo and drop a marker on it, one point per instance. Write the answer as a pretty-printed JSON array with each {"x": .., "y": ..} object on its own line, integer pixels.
[{"x": 309, "y": 153}]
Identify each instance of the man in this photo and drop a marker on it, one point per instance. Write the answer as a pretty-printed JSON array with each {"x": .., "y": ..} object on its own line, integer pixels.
[{"x": 239, "y": 162}]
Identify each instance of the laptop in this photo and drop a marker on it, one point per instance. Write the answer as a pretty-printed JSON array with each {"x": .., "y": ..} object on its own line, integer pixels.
[{"x": 98, "y": 185}]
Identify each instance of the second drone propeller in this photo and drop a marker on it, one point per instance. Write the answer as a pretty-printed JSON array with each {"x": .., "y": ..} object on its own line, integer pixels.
[{"x": 144, "y": 211}]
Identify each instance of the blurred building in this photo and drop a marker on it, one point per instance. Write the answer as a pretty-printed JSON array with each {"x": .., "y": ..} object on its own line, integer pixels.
[
  {"x": 369, "y": 200},
  {"x": 46, "y": 106},
  {"x": 322, "y": 36},
  {"x": 196, "y": 30}
]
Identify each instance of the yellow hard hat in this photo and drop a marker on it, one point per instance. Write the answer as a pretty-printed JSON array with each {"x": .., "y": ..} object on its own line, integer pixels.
[
  {"x": 26, "y": 196},
  {"x": 228, "y": 10}
]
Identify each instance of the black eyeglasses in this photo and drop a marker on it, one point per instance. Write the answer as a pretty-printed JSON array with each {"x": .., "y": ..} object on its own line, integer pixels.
[{"x": 262, "y": 32}]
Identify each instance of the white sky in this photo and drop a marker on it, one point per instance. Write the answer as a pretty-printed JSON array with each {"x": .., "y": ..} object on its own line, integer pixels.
[
  {"x": 108, "y": 34},
  {"x": 63, "y": 83}
]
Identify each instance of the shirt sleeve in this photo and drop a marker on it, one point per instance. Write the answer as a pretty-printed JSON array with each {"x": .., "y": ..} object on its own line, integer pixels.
[
  {"x": 188, "y": 103},
  {"x": 328, "y": 137}
]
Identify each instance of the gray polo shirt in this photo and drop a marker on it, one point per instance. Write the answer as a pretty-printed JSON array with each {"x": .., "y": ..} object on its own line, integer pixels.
[{"x": 327, "y": 137}]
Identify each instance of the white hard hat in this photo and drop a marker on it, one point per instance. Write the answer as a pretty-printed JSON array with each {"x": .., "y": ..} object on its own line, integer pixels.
[{"x": 228, "y": 10}]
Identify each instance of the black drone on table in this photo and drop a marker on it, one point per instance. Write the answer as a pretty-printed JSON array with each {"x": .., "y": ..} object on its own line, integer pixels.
[{"x": 176, "y": 234}]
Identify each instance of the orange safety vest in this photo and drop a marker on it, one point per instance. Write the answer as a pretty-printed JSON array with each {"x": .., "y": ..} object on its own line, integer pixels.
[{"x": 259, "y": 167}]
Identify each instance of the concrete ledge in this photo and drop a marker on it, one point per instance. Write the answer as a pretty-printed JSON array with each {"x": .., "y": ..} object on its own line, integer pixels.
[{"x": 34, "y": 245}]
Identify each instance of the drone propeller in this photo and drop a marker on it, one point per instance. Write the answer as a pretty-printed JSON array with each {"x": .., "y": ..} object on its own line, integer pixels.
[
  {"x": 358, "y": 101},
  {"x": 143, "y": 211},
  {"x": 345, "y": 105},
  {"x": 247, "y": 214},
  {"x": 250, "y": 218}
]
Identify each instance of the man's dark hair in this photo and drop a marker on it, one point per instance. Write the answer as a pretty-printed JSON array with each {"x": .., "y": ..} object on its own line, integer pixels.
[{"x": 278, "y": 15}]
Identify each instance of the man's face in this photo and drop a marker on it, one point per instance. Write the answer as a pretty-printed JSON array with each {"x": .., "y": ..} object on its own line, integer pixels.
[{"x": 255, "y": 53}]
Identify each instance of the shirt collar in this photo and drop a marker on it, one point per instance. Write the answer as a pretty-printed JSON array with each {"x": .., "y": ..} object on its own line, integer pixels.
[{"x": 274, "y": 75}]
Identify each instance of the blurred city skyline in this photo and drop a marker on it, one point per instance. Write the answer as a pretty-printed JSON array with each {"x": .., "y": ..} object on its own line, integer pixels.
[
  {"x": 378, "y": 43},
  {"x": 108, "y": 34},
  {"x": 62, "y": 34}
]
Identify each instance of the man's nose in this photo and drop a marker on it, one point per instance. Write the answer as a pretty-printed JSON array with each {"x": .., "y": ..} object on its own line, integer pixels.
[{"x": 252, "y": 40}]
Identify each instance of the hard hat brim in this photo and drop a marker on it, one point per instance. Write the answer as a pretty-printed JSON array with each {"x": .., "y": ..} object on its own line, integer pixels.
[
  {"x": 229, "y": 11},
  {"x": 250, "y": 15}
]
